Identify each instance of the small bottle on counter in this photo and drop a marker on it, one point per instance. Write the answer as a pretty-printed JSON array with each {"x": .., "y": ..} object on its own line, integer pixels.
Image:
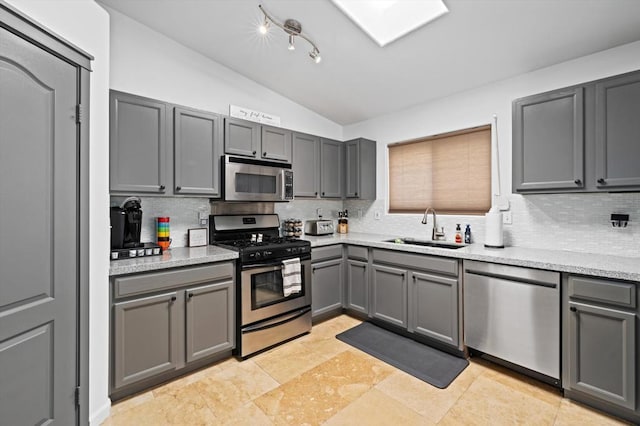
[
  {"x": 342, "y": 226},
  {"x": 346, "y": 221},
  {"x": 458, "y": 233},
  {"x": 467, "y": 234}
]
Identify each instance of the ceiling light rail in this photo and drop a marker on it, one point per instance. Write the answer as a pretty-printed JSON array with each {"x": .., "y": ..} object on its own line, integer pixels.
[{"x": 294, "y": 29}]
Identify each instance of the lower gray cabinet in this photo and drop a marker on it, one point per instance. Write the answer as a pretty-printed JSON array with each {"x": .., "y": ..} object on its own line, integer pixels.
[
  {"x": 209, "y": 319},
  {"x": 145, "y": 340},
  {"x": 433, "y": 307},
  {"x": 357, "y": 286},
  {"x": 389, "y": 294},
  {"x": 326, "y": 286},
  {"x": 600, "y": 340}
]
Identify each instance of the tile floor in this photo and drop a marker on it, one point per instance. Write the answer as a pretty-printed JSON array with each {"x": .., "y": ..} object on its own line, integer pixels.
[{"x": 317, "y": 379}]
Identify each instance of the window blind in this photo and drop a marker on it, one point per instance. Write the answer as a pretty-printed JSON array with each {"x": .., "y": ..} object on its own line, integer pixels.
[{"x": 450, "y": 173}]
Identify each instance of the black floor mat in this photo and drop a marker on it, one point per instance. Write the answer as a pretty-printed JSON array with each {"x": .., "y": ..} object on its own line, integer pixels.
[{"x": 426, "y": 363}]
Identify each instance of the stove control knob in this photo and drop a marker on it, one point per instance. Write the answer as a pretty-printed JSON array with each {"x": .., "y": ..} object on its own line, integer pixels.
[
  {"x": 257, "y": 255},
  {"x": 294, "y": 250}
]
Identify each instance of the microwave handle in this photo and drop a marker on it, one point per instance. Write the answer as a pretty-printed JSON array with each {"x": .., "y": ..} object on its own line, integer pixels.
[{"x": 282, "y": 188}]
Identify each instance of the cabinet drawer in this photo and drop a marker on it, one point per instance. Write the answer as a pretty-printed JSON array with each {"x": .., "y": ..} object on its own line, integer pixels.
[
  {"x": 416, "y": 261},
  {"x": 325, "y": 253},
  {"x": 357, "y": 252},
  {"x": 156, "y": 281},
  {"x": 600, "y": 290}
]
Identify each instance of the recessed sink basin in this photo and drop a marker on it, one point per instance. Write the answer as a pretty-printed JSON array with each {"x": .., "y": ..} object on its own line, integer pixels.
[{"x": 425, "y": 243}]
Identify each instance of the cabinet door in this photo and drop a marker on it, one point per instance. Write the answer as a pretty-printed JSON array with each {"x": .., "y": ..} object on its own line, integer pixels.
[
  {"x": 331, "y": 168},
  {"x": 145, "y": 338},
  {"x": 617, "y": 130},
  {"x": 357, "y": 286},
  {"x": 306, "y": 168},
  {"x": 548, "y": 141},
  {"x": 210, "y": 319},
  {"x": 389, "y": 295},
  {"x": 352, "y": 161},
  {"x": 197, "y": 150},
  {"x": 276, "y": 144},
  {"x": 326, "y": 286},
  {"x": 433, "y": 307},
  {"x": 138, "y": 144},
  {"x": 602, "y": 353},
  {"x": 241, "y": 137}
]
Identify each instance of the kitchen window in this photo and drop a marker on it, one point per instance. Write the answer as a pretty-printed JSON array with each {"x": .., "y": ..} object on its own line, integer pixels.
[{"x": 449, "y": 172}]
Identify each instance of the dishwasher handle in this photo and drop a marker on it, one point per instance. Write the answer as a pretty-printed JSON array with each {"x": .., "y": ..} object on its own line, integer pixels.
[{"x": 517, "y": 279}]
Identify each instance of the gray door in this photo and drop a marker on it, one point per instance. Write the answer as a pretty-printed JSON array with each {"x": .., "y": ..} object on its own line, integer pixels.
[
  {"x": 197, "y": 151},
  {"x": 389, "y": 295},
  {"x": 352, "y": 160},
  {"x": 145, "y": 338},
  {"x": 39, "y": 229},
  {"x": 326, "y": 286},
  {"x": 331, "y": 168},
  {"x": 358, "y": 286},
  {"x": 617, "y": 130},
  {"x": 602, "y": 353},
  {"x": 138, "y": 144},
  {"x": 306, "y": 168},
  {"x": 210, "y": 319},
  {"x": 548, "y": 141},
  {"x": 276, "y": 144},
  {"x": 433, "y": 307},
  {"x": 241, "y": 137}
]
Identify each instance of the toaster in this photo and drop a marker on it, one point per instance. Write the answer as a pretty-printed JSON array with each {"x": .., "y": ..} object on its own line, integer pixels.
[{"x": 318, "y": 227}]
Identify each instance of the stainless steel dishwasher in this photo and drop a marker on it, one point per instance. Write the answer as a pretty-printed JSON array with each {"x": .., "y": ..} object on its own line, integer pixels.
[{"x": 513, "y": 313}]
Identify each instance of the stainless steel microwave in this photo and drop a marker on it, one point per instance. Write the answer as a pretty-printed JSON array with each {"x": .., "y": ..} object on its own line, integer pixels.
[{"x": 247, "y": 179}]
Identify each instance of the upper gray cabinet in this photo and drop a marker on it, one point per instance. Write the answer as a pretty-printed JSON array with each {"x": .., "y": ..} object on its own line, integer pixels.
[
  {"x": 360, "y": 159},
  {"x": 548, "y": 141},
  {"x": 251, "y": 139},
  {"x": 331, "y": 168},
  {"x": 618, "y": 132},
  {"x": 306, "y": 165},
  {"x": 197, "y": 150},
  {"x": 579, "y": 139},
  {"x": 138, "y": 144}
]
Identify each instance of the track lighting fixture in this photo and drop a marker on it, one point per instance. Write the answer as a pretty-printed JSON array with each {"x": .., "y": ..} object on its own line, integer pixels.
[{"x": 293, "y": 28}]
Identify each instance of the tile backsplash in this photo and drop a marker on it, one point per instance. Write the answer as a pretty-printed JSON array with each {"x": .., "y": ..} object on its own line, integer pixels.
[{"x": 577, "y": 222}]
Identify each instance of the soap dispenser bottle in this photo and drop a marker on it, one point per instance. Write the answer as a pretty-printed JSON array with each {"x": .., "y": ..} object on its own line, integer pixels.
[
  {"x": 467, "y": 234},
  {"x": 458, "y": 233}
]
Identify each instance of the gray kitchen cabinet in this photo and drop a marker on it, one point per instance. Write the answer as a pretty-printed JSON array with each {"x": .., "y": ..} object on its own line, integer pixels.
[
  {"x": 167, "y": 323},
  {"x": 249, "y": 139},
  {"x": 145, "y": 340},
  {"x": 198, "y": 139},
  {"x": 617, "y": 128},
  {"x": 306, "y": 165},
  {"x": 138, "y": 143},
  {"x": 389, "y": 294},
  {"x": 600, "y": 337},
  {"x": 433, "y": 307},
  {"x": 209, "y": 319},
  {"x": 326, "y": 286},
  {"x": 360, "y": 161},
  {"x": 357, "y": 284},
  {"x": 331, "y": 168},
  {"x": 548, "y": 141}
]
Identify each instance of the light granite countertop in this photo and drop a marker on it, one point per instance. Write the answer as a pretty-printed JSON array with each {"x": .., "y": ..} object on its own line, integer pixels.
[
  {"x": 618, "y": 267},
  {"x": 172, "y": 258}
]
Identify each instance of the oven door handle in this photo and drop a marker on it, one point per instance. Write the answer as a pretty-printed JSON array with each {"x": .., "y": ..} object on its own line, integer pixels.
[
  {"x": 269, "y": 264},
  {"x": 276, "y": 321}
]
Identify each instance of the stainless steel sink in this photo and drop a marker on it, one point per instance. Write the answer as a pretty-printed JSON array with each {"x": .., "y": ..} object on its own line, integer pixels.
[{"x": 425, "y": 243}]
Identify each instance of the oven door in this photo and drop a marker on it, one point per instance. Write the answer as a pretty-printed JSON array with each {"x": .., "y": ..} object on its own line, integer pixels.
[
  {"x": 254, "y": 180},
  {"x": 262, "y": 294}
]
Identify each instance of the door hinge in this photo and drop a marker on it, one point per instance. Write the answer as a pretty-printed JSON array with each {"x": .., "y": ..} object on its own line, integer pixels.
[
  {"x": 77, "y": 396},
  {"x": 79, "y": 113}
]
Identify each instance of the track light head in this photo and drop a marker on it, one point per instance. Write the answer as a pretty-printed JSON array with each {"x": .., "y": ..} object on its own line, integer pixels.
[{"x": 315, "y": 55}]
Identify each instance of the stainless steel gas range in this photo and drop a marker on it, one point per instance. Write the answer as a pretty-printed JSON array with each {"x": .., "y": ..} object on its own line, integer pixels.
[{"x": 268, "y": 312}]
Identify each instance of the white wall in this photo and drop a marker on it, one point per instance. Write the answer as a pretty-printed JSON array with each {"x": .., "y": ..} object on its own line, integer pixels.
[
  {"x": 577, "y": 222},
  {"x": 85, "y": 24},
  {"x": 147, "y": 63}
]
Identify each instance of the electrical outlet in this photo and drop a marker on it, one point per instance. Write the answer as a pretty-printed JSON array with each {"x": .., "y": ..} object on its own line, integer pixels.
[
  {"x": 377, "y": 215},
  {"x": 507, "y": 218}
]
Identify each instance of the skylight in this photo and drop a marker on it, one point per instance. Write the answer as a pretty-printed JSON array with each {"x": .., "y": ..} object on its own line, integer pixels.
[{"x": 388, "y": 20}]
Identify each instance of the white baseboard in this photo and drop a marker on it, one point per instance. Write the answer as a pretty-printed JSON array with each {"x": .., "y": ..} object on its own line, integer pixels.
[{"x": 100, "y": 415}]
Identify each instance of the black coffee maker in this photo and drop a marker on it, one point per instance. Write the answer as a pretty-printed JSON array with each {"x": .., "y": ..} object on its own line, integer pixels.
[{"x": 126, "y": 223}]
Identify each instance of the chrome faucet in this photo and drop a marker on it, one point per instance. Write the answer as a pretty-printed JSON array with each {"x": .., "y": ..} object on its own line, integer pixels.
[{"x": 435, "y": 234}]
